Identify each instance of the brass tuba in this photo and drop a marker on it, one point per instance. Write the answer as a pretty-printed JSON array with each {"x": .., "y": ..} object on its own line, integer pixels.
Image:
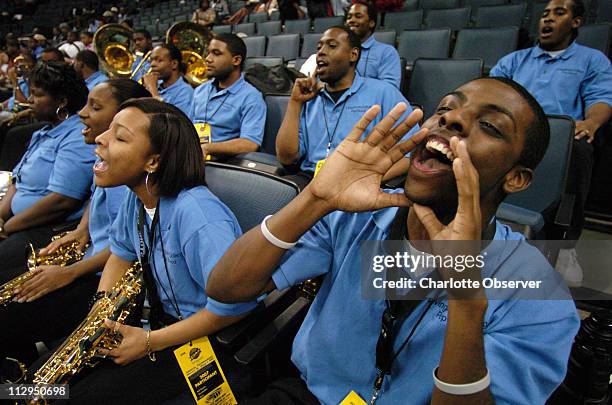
[
  {"x": 192, "y": 39},
  {"x": 115, "y": 48}
]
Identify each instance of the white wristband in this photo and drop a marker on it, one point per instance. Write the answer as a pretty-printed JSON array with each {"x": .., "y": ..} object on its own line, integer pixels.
[
  {"x": 273, "y": 239},
  {"x": 462, "y": 389}
]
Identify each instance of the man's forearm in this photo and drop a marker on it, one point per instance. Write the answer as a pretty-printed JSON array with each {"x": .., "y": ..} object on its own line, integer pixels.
[
  {"x": 287, "y": 139},
  {"x": 463, "y": 357},
  {"x": 244, "y": 272},
  {"x": 92, "y": 264},
  {"x": 232, "y": 147},
  {"x": 599, "y": 114},
  {"x": 48, "y": 209}
]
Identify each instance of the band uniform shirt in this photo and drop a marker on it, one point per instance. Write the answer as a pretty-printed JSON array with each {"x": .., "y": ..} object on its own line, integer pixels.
[
  {"x": 196, "y": 230},
  {"x": 527, "y": 343},
  {"x": 238, "y": 111},
  {"x": 56, "y": 161},
  {"x": 103, "y": 209},
  {"x": 94, "y": 79},
  {"x": 380, "y": 61},
  {"x": 341, "y": 116},
  {"x": 179, "y": 94},
  {"x": 25, "y": 89},
  {"x": 568, "y": 84}
]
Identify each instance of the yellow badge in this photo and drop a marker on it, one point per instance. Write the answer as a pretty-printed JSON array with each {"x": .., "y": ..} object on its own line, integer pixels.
[
  {"x": 203, "y": 129},
  {"x": 320, "y": 164},
  {"x": 353, "y": 399},
  {"x": 203, "y": 373}
]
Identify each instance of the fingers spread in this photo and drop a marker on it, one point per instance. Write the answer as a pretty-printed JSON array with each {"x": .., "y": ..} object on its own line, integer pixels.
[
  {"x": 402, "y": 149},
  {"x": 362, "y": 124},
  {"x": 402, "y": 129},
  {"x": 384, "y": 126}
]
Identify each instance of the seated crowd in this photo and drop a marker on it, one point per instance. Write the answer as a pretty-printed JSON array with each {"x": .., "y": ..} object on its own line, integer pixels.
[{"x": 121, "y": 165}]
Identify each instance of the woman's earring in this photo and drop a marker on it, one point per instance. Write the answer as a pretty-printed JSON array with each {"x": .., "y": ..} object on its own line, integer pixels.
[
  {"x": 62, "y": 113},
  {"x": 147, "y": 183}
]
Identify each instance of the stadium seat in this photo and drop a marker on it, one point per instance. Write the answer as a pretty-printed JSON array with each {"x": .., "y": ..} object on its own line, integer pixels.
[
  {"x": 269, "y": 28},
  {"x": 534, "y": 18},
  {"x": 488, "y": 44},
  {"x": 251, "y": 195},
  {"x": 258, "y": 17},
  {"x": 478, "y": 3},
  {"x": 222, "y": 29},
  {"x": 512, "y": 15},
  {"x": 424, "y": 44},
  {"x": 276, "y": 108},
  {"x": 309, "y": 45},
  {"x": 595, "y": 36},
  {"x": 386, "y": 37},
  {"x": 604, "y": 11},
  {"x": 299, "y": 62},
  {"x": 286, "y": 46},
  {"x": 256, "y": 46},
  {"x": 410, "y": 5},
  {"x": 454, "y": 18},
  {"x": 246, "y": 28},
  {"x": 433, "y": 4},
  {"x": 433, "y": 78},
  {"x": 297, "y": 26},
  {"x": 406, "y": 20},
  {"x": 323, "y": 23},
  {"x": 547, "y": 189},
  {"x": 275, "y": 16},
  {"x": 266, "y": 61}
]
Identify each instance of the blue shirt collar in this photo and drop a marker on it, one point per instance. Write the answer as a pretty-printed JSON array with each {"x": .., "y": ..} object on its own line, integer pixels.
[
  {"x": 569, "y": 51},
  {"x": 62, "y": 128},
  {"x": 175, "y": 84},
  {"x": 357, "y": 83},
  {"x": 370, "y": 42},
  {"x": 234, "y": 88}
]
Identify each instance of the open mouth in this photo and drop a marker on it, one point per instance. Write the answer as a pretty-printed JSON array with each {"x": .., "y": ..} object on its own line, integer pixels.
[
  {"x": 87, "y": 130},
  {"x": 546, "y": 31},
  {"x": 434, "y": 155},
  {"x": 321, "y": 65},
  {"x": 100, "y": 166}
]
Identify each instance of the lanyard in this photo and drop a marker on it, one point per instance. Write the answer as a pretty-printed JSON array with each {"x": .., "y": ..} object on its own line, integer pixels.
[
  {"x": 330, "y": 138},
  {"x": 206, "y": 118},
  {"x": 148, "y": 264}
]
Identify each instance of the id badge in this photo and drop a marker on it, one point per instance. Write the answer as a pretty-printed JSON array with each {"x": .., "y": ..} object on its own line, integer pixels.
[
  {"x": 203, "y": 373},
  {"x": 353, "y": 399},
  {"x": 203, "y": 129},
  {"x": 320, "y": 164}
]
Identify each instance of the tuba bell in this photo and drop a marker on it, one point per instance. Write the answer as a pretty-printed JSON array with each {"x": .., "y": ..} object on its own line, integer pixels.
[
  {"x": 192, "y": 40},
  {"x": 115, "y": 48}
]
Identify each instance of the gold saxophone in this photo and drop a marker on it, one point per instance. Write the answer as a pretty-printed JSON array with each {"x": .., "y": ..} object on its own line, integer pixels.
[
  {"x": 80, "y": 349},
  {"x": 63, "y": 256}
]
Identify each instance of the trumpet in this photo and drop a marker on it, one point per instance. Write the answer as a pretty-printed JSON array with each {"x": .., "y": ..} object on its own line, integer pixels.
[{"x": 63, "y": 256}]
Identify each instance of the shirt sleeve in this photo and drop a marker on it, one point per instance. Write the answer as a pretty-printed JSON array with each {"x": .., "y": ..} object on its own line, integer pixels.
[
  {"x": 114, "y": 200},
  {"x": 390, "y": 70},
  {"x": 503, "y": 68},
  {"x": 202, "y": 251},
  {"x": 71, "y": 173},
  {"x": 530, "y": 343},
  {"x": 597, "y": 86},
  {"x": 120, "y": 240},
  {"x": 253, "y": 118},
  {"x": 311, "y": 257}
]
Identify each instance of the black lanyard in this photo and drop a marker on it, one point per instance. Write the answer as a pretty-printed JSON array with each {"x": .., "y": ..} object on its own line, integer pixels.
[
  {"x": 330, "y": 138},
  {"x": 149, "y": 268},
  {"x": 206, "y": 118}
]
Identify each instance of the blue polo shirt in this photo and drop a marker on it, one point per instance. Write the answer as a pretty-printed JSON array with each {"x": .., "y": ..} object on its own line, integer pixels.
[
  {"x": 178, "y": 94},
  {"x": 143, "y": 69},
  {"x": 103, "y": 208},
  {"x": 527, "y": 343},
  {"x": 380, "y": 61},
  {"x": 568, "y": 84},
  {"x": 196, "y": 230},
  {"x": 322, "y": 119},
  {"x": 25, "y": 89},
  {"x": 238, "y": 111},
  {"x": 95, "y": 78},
  {"x": 57, "y": 161}
]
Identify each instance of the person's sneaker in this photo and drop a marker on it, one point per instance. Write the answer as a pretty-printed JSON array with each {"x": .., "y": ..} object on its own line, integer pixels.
[{"x": 569, "y": 268}]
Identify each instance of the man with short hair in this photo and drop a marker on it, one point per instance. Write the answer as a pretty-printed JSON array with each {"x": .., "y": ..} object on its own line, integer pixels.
[
  {"x": 568, "y": 79},
  {"x": 87, "y": 39},
  {"x": 229, "y": 113},
  {"x": 72, "y": 46},
  {"x": 165, "y": 82},
  {"x": 51, "y": 54},
  {"x": 459, "y": 345},
  {"x": 379, "y": 61},
  {"x": 319, "y": 114},
  {"x": 86, "y": 65},
  {"x": 143, "y": 42}
]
